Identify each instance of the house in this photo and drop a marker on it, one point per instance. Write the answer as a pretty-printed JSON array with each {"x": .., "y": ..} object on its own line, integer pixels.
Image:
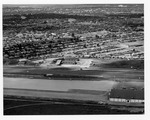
[
  {"x": 58, "y": 62},
  {"x": 23, "y": 60},
  {"x": 129, "y": 95}
]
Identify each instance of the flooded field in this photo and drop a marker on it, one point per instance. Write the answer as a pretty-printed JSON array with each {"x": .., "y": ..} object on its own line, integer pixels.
[{"x": 57, "y": 85}]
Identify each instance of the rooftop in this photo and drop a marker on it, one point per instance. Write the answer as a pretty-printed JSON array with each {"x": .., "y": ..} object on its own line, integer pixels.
[{"x": 127, "y": 93}]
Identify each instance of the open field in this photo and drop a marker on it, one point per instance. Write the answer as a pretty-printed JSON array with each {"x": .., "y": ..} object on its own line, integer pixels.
[
  {"x": 57, "y": 85},
  {"x": 56, "y": 107},
  {"x": 47, "y": 94},
  {"x": 101, "y": 73},
  {"x": 70, "y": 83},
  {"x": 63, "y": 89},
  {"x": 33, "y": 102},
  {"x": 79, "y": 84}
]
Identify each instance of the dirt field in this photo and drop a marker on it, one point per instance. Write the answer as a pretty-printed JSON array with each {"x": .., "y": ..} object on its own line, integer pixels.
[{"x": 59, "y": 95}]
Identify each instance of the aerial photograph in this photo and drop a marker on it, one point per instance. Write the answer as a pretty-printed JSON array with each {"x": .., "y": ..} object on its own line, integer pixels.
[{"x": 73, "y": 59}]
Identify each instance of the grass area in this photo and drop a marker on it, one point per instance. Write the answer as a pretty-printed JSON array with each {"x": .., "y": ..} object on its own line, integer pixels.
[
  {"x": 39, "y": 71},
  {"x": 10, "y": 61},
  {"x": 58, "y": 109},
  {"x": 55, "y": 77},
  {"x": 119, "y": 70},
  {"x": 7, "y": 61},
  {"x": 135, "y": 64},
  {"x": 106, "y": 72}
]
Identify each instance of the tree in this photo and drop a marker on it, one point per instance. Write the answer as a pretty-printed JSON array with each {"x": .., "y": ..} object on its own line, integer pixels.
[
  {"x": 84, "y": 46},
  {"x": 72, "y": 35}
]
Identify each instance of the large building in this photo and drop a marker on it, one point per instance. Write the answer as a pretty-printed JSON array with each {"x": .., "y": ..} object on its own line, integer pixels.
[
  {"x": 70, "y": 60},
  {"x": 67, "y": 60},
  {"x": 129, "y": 95}
]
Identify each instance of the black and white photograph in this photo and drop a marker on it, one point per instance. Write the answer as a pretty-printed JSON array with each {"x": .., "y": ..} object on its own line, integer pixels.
[{"x": 73, "y": 59}]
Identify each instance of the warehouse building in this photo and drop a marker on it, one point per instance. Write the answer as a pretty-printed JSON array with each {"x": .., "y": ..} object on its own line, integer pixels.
[{"x": 129, "y": 95}]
